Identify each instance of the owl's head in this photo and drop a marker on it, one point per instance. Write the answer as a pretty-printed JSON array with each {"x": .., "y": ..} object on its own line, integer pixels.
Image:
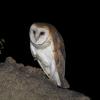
[{"x": 39, "y": 33}]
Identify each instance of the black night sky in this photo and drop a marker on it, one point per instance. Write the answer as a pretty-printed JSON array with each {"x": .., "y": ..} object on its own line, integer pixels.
[{"x": 74, "y": 26}]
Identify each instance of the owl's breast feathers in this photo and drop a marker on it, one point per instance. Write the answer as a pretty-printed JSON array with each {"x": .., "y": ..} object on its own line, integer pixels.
[{"x": 41, "y": 46}]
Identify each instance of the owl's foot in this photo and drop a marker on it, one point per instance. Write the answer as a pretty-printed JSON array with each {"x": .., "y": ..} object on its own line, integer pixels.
[{"x": 35, "y": 58}]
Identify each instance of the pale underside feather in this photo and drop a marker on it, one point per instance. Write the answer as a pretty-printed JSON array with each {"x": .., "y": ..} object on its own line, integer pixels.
[{"x": 46, "y": 60}]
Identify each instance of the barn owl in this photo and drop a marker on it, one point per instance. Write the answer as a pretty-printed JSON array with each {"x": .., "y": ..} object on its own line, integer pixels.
[{"x": 47, "y": 47}]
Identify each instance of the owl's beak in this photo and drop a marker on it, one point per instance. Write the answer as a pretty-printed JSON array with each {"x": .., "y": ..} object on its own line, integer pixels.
[{"x": 36, "y": 37}]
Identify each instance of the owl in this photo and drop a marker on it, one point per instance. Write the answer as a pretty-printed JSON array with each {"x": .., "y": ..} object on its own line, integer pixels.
[{"x": 47, "y": 47}]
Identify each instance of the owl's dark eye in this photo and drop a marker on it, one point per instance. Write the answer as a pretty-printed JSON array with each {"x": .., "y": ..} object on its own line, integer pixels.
[
  {"x": 34, "y": 32},
  {"x": 42, "y": 33}
]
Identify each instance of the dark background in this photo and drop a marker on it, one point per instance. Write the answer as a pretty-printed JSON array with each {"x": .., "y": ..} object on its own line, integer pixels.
[{"x": 75, "y": 26}]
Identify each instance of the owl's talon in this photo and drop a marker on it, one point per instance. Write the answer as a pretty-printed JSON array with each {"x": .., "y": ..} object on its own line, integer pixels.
[{"x": 35, "y": 58}]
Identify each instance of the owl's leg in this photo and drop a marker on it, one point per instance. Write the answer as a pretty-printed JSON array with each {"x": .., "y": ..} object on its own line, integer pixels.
[
  {"x": 45, "y": 68},
  {"x": 35, "y": 58},
  {"x": 45, "y": 65},
  {"x": 45, "y": 62}
]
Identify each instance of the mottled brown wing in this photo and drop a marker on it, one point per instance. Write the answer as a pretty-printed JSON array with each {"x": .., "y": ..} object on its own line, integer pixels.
[
  {"x": 60, "y": 60},
  {"x": 59, "y": 54},
  {"x": 62, "y": 46},
  {"x": 59, "y": 47}
]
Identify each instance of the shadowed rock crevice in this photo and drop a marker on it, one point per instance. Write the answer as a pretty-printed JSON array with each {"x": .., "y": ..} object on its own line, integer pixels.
[{"x": 19, "y": 82}]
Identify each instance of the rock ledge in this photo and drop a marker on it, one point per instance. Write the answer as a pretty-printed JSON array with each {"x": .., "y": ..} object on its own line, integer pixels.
[{"x": 19, "y": 82}]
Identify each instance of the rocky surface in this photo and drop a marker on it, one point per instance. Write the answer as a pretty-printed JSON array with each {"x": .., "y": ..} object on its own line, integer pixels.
[{"x": 19, "y": 82}]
